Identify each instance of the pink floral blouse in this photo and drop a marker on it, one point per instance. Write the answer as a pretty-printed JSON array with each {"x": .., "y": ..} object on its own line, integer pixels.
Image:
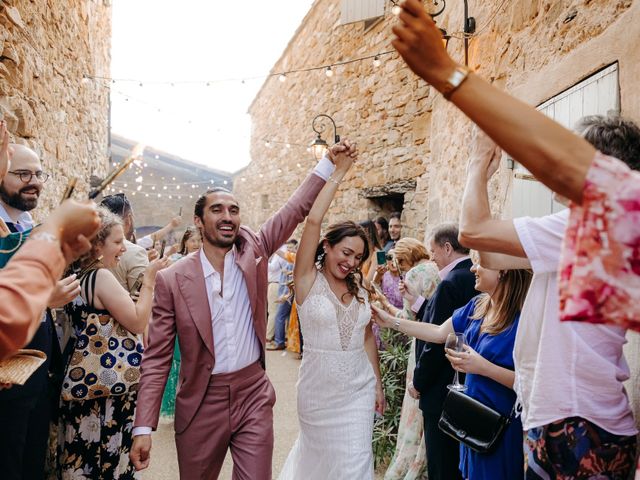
[{"x": 600, "y": 265}]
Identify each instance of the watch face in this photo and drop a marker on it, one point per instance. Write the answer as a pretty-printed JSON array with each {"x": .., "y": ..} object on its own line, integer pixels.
[{"x": 456, "y": 78}]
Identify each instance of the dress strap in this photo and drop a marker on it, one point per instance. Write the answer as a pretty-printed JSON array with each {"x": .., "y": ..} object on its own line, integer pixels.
[{"x": 88, "y": 286}]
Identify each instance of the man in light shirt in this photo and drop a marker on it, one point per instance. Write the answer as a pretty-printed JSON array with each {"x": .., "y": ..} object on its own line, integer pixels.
[
  {"x": 215, "y": 303},
  {"x": 569, "y": 375}
]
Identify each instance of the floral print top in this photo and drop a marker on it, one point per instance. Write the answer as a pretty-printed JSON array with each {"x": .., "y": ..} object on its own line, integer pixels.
[{"x": 600, "y": 266}]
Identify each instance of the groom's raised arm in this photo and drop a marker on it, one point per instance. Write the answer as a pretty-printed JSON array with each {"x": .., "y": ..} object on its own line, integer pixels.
[{"x": 277, "y": 229}]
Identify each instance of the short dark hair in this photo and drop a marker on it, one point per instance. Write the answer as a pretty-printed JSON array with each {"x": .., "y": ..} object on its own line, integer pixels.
[
  {"x": 117, "y": 204},
  {"x": 448, "y": 233},
  {"x": 292, "y": 241},
  {"x": 613, "y": 135},
  {"x": 396, "y": 215},
  {"x": 383, "y": 223},
  {"x": 198, "y": 211}
]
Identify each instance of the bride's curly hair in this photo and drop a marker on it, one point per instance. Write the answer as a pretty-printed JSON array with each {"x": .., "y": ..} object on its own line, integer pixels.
[{"x": 335, "y": 234}]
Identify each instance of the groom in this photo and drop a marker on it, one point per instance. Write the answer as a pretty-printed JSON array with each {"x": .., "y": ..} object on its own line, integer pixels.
[{"x": 215, "y": 301}]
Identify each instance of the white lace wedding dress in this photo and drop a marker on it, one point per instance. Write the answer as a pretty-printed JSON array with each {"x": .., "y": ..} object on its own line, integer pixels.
[{"x": 336, "y": 391}]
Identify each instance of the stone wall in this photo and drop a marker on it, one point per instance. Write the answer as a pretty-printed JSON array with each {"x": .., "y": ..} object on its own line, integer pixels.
[
  {"x": 46, "y": 49},
  {"x": 406, "y": 132}
]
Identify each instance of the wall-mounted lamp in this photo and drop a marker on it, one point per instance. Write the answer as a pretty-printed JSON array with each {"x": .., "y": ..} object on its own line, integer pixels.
[{"x": 319, "y": 146}]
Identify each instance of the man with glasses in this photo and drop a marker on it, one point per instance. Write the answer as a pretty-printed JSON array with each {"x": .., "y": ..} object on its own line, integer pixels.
[{"x": 25, "y": 411}]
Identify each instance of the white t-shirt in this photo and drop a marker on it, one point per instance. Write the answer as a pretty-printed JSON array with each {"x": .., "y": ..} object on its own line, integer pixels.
[{"x": 565, "y": 369}]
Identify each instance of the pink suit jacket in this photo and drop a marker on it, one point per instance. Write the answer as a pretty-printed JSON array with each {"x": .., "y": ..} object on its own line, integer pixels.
[{"x": 181, "y": 307}]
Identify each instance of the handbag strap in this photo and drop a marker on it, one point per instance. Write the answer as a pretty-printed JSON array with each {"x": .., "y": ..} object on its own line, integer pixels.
[{"x": 88, "y": 284}]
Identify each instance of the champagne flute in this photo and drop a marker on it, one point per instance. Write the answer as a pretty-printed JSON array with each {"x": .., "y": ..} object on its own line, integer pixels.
[{"x": 456, "y": 342}]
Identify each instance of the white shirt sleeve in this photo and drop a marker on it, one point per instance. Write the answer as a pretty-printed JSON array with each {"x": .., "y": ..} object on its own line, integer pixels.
[
  {"x": 141, "y": 431},
  {"x": 145, "y": 242},
  {"x": 324, "y": 168},
  {"x": 541, "y": 239}
]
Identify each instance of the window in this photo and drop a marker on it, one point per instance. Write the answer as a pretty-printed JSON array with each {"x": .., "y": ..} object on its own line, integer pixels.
[
  {"x": 359, "y": 10},
  {"x": 599, "y": 94}
]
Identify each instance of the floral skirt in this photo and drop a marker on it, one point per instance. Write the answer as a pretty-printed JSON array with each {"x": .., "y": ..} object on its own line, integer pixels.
[
  {"x": 94, "y": 438},
  {"x": 576, "y": 448}
]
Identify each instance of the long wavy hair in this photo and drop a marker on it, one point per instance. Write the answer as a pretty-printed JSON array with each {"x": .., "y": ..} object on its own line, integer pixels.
[
  {"x": 508, "y": 299},
  {"x": 372, "y": 234},
  {"x": 334, "y": 235}
]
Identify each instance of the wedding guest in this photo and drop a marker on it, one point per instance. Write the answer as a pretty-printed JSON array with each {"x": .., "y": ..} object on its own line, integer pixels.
[
  {"x": 134, "y": 260},
  {"x": 433, "y": 373},
  {"x": 276, "y": 265},
  {"x": 382, "y": 228},
  {"x": 148, "y": 242},
  {"x": 395, "y": 228},
  {"x": 390, "y": 281},
  {"x": 586, "y": 404},
  {"x": 285, "y": 299},
  {"x": 421, "y": 279},
  {"x": 560, "y": 159},
  {"x": 489, "y": 323},
  {"x": 29, "y": 278},
  {"x": 94, "y": 434},
  {"x": 370, "y": 266},
  {"x": 27, "y": 409}
]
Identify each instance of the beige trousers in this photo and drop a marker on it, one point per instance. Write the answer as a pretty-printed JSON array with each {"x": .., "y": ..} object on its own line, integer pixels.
[{"x": 272, "y": 308}]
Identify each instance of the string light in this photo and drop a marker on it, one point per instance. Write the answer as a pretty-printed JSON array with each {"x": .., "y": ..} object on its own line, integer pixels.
[
  {"x": 282, "y": 76},
  {"x": 376, "y": 61},
  {"x": 328, "y": 72}
]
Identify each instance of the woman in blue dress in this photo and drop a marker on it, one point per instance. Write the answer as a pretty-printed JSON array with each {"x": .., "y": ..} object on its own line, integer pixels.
[{"x": 489, "y": 323}]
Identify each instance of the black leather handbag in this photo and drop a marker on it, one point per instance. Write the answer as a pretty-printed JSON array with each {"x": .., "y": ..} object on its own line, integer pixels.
[{"x": 473, "y": 423}]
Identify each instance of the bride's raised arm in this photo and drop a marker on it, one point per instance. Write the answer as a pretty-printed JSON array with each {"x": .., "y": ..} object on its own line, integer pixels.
[{"x": 343, "y": 155}]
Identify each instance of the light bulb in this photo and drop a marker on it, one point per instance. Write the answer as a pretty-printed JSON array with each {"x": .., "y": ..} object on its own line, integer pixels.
[
  {"x": 225, "y": 182},
  {"x": 282, "y": 77},
  {"x": 396, "y": 10},
  {"x": 178, "y": 187},
  {"x": 157, "y": 157},
  {"x": 139, "y": 179},
  {"x": 133, "y": 193},
  {"x": 193, "y": 186},
  {"x": 139, "y": 187},
  {"x": 298, "y": 165},
  {"x": 288, "y": 145},
  {"x": 153, "y": 187},
  {"x": 376, "y": 61},
  {"x": 267, "y": 143},
  {"x": 244, "y": 179},
  {"x": 146, "y": 194},
  {"x": 125, "y": 185},
  {"x": 164, "y": 188},
  {"x": 328, "y": 72},
  {"x": 159, "y": 195},
  {"x": 173, "y": 178},
  {"x": 169, "y": 196}
]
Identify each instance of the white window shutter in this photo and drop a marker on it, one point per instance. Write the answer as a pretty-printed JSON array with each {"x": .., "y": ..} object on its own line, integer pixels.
[
  {"x": 597, "y": 95},
  {"x": 359, "y": 10}
]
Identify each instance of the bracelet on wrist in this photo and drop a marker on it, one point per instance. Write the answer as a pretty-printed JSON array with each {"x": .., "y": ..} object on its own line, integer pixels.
[
  {"x": 333, "y": 180},
  {"x": 396, "y": 324}
]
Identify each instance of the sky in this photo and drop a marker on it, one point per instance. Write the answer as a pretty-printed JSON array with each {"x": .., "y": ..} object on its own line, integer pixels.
[{"x": 195, "y": 40}]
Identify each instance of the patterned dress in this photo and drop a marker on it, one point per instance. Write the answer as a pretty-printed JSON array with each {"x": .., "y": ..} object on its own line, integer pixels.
[
  {"x": 409, "y": 461},
  {"x": 94, "y": 436}
]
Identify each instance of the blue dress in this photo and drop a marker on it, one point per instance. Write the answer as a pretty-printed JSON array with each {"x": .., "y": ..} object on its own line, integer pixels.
[{"x": 507, "y": 461}]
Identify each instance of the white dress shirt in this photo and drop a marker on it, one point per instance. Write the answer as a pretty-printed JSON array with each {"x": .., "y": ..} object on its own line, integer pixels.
[{"x": 235, "y": 342}]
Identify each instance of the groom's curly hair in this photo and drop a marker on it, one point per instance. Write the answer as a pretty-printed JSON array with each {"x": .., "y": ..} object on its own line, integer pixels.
[{"x": 334, "y": 235}]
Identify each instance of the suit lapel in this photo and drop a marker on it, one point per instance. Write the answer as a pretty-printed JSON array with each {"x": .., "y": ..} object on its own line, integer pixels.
[{"x": 194, "y": 291}]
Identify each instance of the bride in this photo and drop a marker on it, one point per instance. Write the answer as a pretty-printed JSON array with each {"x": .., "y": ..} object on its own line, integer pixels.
[{"x": 339, "y": 383}]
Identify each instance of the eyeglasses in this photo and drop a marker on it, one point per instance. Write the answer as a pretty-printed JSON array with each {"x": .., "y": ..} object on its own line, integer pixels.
[{"x": 25, "y": 176}]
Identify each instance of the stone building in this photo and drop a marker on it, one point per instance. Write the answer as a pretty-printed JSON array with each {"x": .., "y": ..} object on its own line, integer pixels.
[
  {"x": 168, "y": 184},
  {"x": 47, "y": 49},
  {"x": 568, "y": 57}
]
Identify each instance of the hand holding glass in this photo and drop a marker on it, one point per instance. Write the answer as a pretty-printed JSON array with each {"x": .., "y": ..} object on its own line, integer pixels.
[{"x": 456, "y": 342}]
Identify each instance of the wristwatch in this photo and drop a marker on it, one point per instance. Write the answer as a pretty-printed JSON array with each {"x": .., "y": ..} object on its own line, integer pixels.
[
  {"x": 396, "y": 324},
  {"x": 457, "y": 77}
]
